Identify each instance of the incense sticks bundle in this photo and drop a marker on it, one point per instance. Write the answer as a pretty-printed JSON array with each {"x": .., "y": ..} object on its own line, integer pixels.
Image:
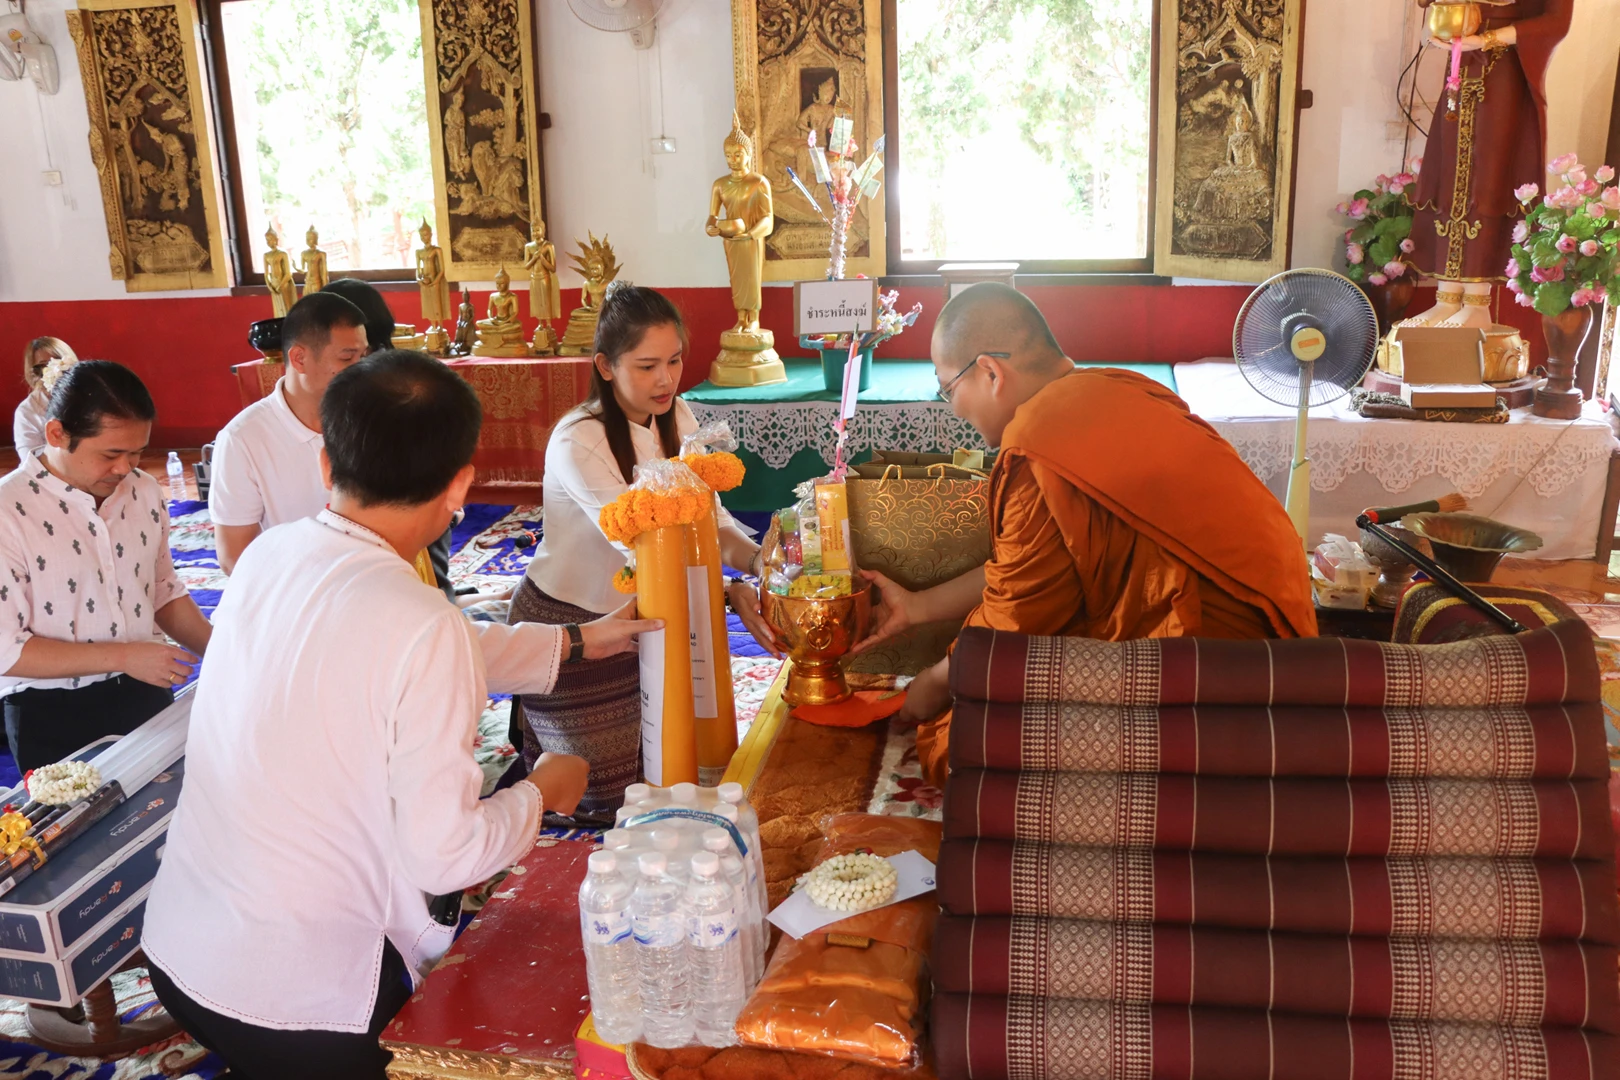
[
  {"x": 58, "y": 829},
  {"x": 1445, "y": 504}
]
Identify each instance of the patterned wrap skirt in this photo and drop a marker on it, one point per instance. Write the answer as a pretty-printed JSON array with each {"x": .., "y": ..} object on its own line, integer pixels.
[{"x": 594, "y": 711}]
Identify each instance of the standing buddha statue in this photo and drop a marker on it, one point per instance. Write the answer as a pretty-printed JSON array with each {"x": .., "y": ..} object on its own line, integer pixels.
[
  {"x": 435, "y": 288},
  {"x": 742, "y": 215},
  {"x": 313, "y": 263},
  {"x": 545, "y": 298},
  {"x": 1486, "y": 139},
  {"x": 278, "y": 276}
]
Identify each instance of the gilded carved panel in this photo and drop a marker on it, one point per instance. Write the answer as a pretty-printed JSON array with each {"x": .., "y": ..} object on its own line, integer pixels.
[
  {"x": 151, "y": 142},
  {"x": 479, "y": 60},
  {"x": 1229, "y": 73},
  {"x": 798, "y": 63}
]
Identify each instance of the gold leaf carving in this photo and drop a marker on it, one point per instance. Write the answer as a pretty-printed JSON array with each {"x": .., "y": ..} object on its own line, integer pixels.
[{"x": 443, "y": 1063}]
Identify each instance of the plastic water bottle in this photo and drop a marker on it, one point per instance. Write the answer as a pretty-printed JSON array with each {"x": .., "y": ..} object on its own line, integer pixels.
[
  {"x": 748, "y": 919},
  {"x": 637, "y": 793},
  {"x": 684, "y": 794},
  {"x": 755, "y": 859},
  {"x": 177, "y": 478},
  {"x": 716, "y": 952},
  {"x": 610, "y": 950},
  {"x": 658, "y": 925}
]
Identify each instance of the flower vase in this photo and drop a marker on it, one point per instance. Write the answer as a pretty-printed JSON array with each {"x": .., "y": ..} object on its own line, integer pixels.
[
  {"x": 714, "y": 709},
  {"x": 832, "y": 369},
  {"x": 668, "y": 728},
  {"x": 1566, "y": 333},
  {"x": 1390, "y": 300}
]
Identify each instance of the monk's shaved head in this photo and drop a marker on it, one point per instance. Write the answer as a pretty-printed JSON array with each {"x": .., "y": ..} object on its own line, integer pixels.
[{"x": 990, "y": 317}]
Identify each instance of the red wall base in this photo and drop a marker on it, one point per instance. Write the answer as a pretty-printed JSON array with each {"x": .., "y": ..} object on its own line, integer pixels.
[{"x": 184, "y": 348}]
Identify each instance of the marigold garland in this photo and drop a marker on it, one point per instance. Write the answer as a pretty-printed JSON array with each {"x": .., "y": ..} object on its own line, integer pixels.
[
  {"x": 721, "y": 470},
  {"x": 625, "y": 580},
  {"x": 636, "y": 511}
]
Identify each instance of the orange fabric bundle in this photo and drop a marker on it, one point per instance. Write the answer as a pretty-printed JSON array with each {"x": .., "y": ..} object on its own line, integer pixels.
[{"x": 861, "y": 708}]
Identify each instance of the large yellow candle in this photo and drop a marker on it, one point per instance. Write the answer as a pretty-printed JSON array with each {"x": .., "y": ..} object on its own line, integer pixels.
[
  {"x": 716, "y": 712},
  {"x": 668, "y": 736}
]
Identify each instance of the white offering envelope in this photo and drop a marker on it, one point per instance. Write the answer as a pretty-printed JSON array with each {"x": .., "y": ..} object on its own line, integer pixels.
[{"x": 799, "y": 915}]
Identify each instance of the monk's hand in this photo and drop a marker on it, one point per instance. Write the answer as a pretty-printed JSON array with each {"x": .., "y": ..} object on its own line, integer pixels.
[
  {"x": 744, "y": 600},
  {"x": 928, "y": 695},
  {"x": 616, "y": 633},
  {"x": 894, "y": 610}
]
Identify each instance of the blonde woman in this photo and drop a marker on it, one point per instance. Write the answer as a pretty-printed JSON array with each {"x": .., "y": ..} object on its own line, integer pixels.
[{"x": 44, "y": 361}]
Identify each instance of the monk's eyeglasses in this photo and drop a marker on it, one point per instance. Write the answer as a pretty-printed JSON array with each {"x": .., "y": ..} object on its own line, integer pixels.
[{"x": 944, "y": 392}]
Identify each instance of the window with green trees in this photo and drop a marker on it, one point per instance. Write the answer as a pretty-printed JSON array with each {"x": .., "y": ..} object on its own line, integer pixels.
[
  {"x": 1024, "y": 130},
  {"x": 329, "y": 119}
]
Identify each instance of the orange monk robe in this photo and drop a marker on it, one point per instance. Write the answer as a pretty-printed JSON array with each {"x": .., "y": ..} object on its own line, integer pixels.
[{"x": 1116, "y": 514}]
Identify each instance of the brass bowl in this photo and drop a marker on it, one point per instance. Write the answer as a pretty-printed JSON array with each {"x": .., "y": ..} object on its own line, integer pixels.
[
  {"x": 1469, "y": 546},
  {"x": 817, "y": 634},
  {"x": 1394, "y": 570},
  {"x": 1449, "y": 19},
  {"x": 1506, "y": 358}
]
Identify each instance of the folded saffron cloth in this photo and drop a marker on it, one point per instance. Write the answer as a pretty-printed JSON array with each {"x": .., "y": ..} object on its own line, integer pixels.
[
  {"x": 1522, "y": 984},
  {"x": 1506, "y": 899},
  {"x": 1548, "y": 818},
  {"x": 1549, "y": 666},
  {"x": 1484, "y": 742},
  {"x": 988, "y": 1037}
]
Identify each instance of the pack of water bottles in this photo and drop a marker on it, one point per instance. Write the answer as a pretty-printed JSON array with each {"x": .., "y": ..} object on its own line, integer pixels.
[{"x": 672, "y": 911}]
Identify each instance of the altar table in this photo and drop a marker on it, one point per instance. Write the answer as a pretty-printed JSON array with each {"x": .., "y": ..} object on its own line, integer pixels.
[
  {"x": 1548, "y": 476},
  {"x": 522, "y": 399},
  {"x": 786, "y": 428}
]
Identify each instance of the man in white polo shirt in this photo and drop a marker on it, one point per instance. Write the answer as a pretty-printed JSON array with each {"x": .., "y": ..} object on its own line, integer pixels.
[{"x": 267, "y": 459}]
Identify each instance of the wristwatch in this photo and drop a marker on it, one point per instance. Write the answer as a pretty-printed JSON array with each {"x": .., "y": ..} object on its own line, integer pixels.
[{"x": 576, "y": 643}]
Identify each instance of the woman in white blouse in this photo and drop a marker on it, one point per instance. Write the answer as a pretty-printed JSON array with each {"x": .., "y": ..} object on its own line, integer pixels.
[
  {"x": 28, "y": 425},
  {"x": 633, "y": 415}
]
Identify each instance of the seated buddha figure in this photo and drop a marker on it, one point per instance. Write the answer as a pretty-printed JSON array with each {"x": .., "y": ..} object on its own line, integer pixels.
[{"x": 502, "y": 333}]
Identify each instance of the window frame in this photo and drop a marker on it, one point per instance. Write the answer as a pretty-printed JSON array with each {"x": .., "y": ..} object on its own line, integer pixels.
[
  {"x": 899, "y": 266},
  {"x": 227, "y": 153}
]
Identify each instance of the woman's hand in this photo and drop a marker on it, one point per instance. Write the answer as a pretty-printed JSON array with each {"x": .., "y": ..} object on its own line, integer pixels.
[
  {"x": 616, "y": 633},
  {"x": 894, "y": 610},
  {"x": 744, "y": 600}
]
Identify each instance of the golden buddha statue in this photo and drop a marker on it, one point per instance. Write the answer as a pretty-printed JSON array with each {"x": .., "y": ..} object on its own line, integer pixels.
[
  {"x": 598, "y": 266},
  {"x": 740, "y": 213},
  {"x": 278, "y": 276},
  {"x": 545, "y": 298},
  {"x": 313, "y": 263},
  {"x": 502, "y": 333},
  {"x": 435, "y": 288}
]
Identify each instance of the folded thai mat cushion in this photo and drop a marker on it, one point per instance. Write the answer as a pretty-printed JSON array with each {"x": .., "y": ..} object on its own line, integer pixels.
[
  {"x": 1523, "y": 984},
  {"x": 1547, "y": 818},
  {"x": 1506, "y": 899},
  {"x": 1548, "y": 666},
  {"x": 990, "y": 1037}
]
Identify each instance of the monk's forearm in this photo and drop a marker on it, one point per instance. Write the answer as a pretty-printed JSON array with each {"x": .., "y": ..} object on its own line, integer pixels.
[{"x": 952, "y": 599}]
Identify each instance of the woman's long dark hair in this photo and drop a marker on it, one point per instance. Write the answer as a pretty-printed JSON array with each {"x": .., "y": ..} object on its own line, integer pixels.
[{"x": 628, "y": 312}]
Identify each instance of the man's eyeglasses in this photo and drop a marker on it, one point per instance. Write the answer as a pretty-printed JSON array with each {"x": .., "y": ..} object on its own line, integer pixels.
[{"x": 944, "y": 392}]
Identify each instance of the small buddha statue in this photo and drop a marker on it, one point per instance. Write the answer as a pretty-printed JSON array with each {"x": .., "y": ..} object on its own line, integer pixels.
[
  {"x": 502, "y": 333},
  {"x": 278, "y": 276},
  {"x": 435, "y": 288},
  {"x": 597, "y": 264},
  {"x": 462, "y": 343},
  {"x": 545, "y": 298},
  {"x": 742, "y": 215},
  {"x": 313, "y": 263}
]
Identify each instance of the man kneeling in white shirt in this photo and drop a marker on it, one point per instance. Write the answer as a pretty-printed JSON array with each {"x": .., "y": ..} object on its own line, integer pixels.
[{"x": 330, "y": 785}]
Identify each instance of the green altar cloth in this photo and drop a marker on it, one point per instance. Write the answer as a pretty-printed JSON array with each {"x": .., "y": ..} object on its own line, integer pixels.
[{"x": 895, "y": 384}]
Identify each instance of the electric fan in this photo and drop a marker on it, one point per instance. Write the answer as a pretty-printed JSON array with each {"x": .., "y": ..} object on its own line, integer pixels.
[
  {"x": 635, "y": 17},
  {"x": 1304, "y": 338}
]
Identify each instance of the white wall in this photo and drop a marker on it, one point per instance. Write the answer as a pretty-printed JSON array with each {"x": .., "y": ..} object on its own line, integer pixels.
[{"x": 603, "y": 97}]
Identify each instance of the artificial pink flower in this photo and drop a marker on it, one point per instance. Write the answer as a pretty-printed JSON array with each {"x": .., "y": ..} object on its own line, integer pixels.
[
  {"x": 1604, "y": 174},
  {"x": 1575, "y": 177},
  {"x": 1408, "y": 246},
  {"x": 1348, "y": 233},
  {"x": 1344, "y": 208},
  {"x": 1521, "y": 232},
  {"x": 1406, "y": 178},
  {"x": 1396, "y": 189},
  {"x": 1544, "y": 274},
  {"x": 1524, "y": 300},
  {"x": 1513, "y": 285},
  {"x": 1395, "y": 268},
  {"x": 1588, "y": 187},
  {"x": 1381, "y": 183},
  {"x": 1599, "y": 292},
  {"x": 1513, "y": 270},
  {"x": 1566, "y": 198},
  {"x": 1561, "y": 165},
  {"x": 1355, "y": 253},
  {"x": 1581, "y": 297},
  {"x": 1589, "y": 248},
  {"x": 1525, "y": 193},
  {"x": 1611, "y": 198},
  {"x": 1415, "y": 166},
  {"x": 1358, "y": 209},
  {"x": 1566, "y": 243},
  {"x": 1377, "y": 279}
]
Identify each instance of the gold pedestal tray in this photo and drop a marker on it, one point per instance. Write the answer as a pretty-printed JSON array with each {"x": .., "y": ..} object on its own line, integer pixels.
[{"x": 818, "y": 633}]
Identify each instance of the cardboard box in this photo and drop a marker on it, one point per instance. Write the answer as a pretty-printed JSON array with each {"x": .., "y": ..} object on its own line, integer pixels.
[
  {"x": 50, "y": 980},
  {"x": 1443, "y": 367}
]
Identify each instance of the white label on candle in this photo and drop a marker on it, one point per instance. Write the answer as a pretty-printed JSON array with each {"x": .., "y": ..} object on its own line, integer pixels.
[
  {"x": 651, "y": 648},
  {"x": 705, "y": 703}
]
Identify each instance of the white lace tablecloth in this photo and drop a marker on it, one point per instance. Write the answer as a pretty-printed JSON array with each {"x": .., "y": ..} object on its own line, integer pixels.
[
  {"x": 1544, "y": 475},
  {"x": 776, "y": 430}
]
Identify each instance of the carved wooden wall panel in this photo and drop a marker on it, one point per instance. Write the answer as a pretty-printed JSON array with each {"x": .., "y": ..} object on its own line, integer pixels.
[
  {"x": 151, "y": 142},
  {"x": 789, "y": 56},
  {"x": 1228, "y": 77},
  {"x": 483, "y": 124}
]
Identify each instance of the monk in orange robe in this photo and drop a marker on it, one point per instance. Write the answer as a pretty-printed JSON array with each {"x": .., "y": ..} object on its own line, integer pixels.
[{"x": 1114, "y": 512}]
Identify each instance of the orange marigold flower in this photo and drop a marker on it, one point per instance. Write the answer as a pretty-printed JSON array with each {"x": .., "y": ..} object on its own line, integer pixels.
[
  {"x": 625, "y": 580},
  {"x": 722, "y": 471}
]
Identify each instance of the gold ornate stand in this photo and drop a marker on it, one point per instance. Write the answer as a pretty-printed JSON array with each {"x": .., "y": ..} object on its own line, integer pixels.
[{"x": 747, "y": 358}]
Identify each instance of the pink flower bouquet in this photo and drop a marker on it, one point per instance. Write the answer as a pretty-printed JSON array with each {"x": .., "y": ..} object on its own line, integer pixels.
[
  {"x": 1566, "y": 253},
  {"x": 1376, "y": 244}
]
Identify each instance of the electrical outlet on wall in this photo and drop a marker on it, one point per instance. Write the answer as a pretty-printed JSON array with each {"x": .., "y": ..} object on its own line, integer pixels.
[
  {"x": 663, "y": 144},
  {"x": 53, "y": 177}
]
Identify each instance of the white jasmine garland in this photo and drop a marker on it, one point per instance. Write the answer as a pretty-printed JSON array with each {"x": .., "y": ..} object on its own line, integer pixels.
[
  {"x": 63, "y": 783},
  {"x": 852, "y": 882}
]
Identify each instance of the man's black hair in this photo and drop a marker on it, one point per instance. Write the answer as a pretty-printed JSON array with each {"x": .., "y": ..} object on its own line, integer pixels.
[
  {"x": 92, "y": 390},
  {"x": 310, "y": 321},
  {"x": 398, "y": 425},
  {"x": 363, "y": 295}
]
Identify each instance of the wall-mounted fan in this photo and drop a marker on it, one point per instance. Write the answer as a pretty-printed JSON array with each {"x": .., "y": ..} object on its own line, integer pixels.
[{"x": 638, "y": 18}]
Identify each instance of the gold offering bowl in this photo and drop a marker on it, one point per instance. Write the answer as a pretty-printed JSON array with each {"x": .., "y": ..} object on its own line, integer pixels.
[
  {"x": 1449, "y": 19},
  {"x": 817, "y": 634},
  {"x": 1470, "y": 546}
]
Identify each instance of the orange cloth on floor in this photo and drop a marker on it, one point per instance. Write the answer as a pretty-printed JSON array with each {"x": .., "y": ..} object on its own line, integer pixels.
[
  {"x": 859, "y": 709},
  {"x": 1117, "y": 514}
]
